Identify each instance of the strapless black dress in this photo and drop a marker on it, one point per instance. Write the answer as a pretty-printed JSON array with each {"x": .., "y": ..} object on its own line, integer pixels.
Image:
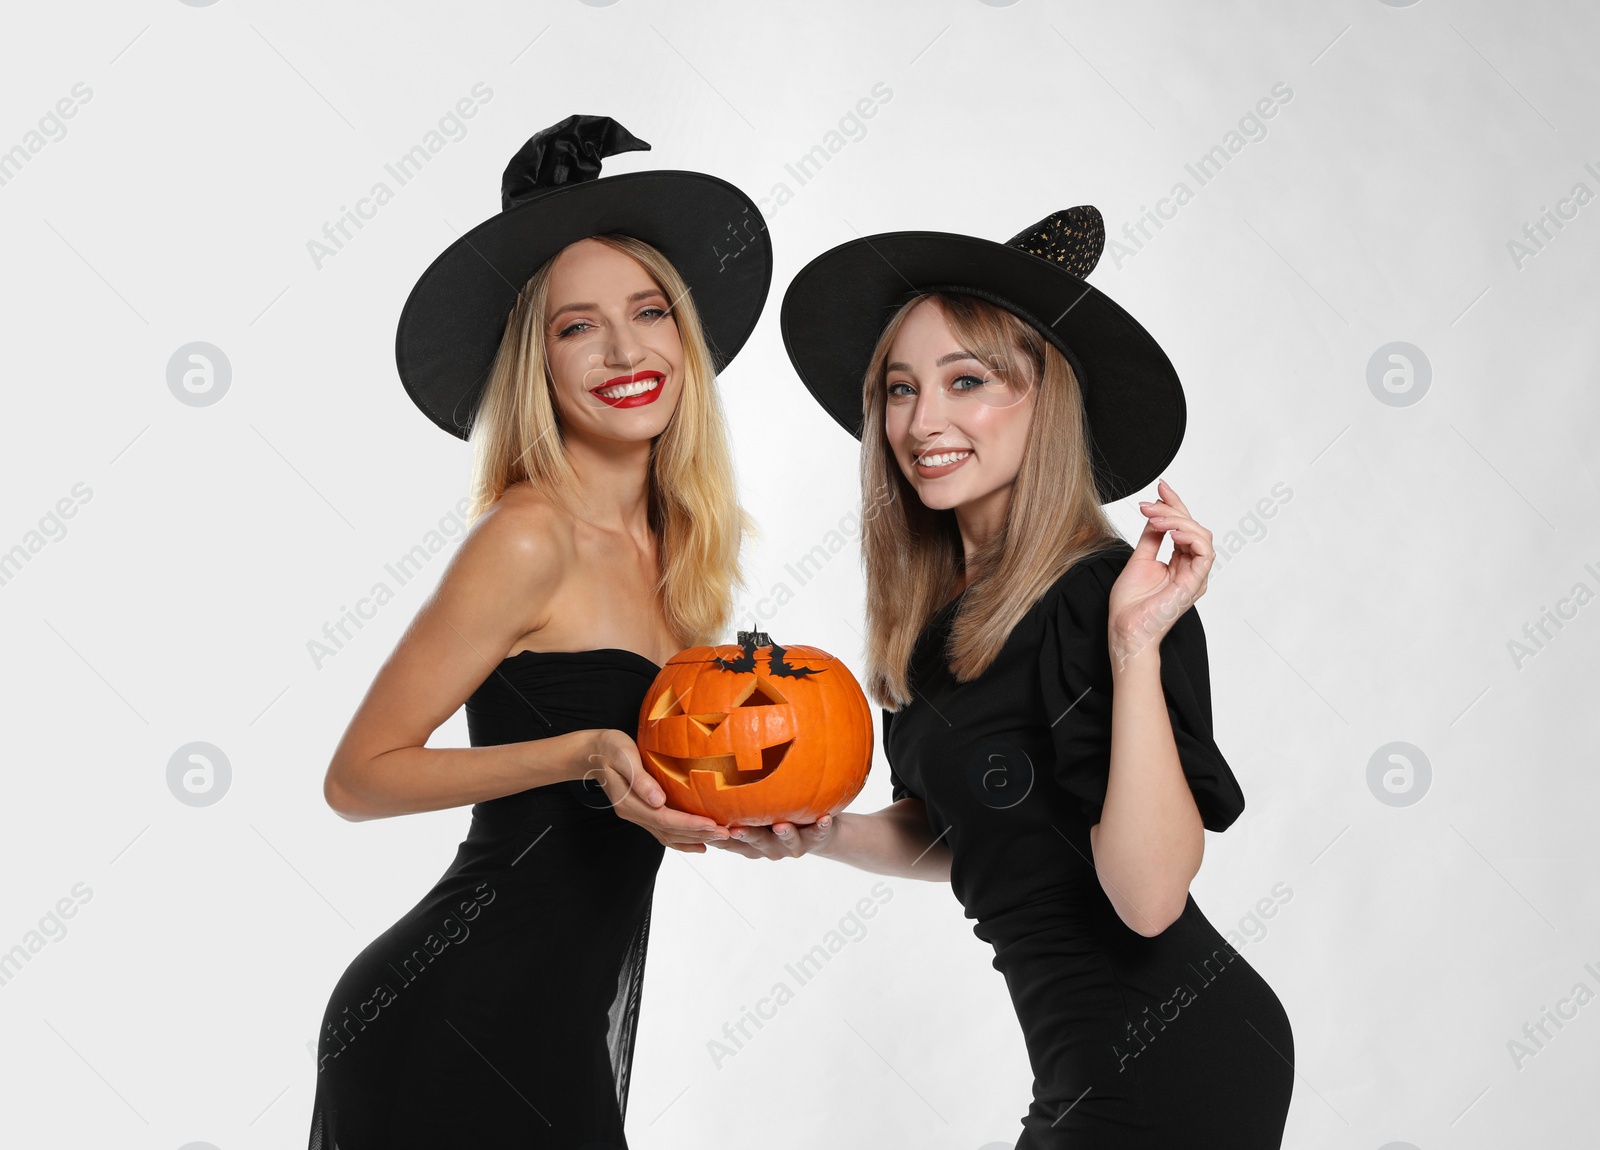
[
  {"x": 1165, "y": 1042},
  {"x": 501, "y": 1009}
]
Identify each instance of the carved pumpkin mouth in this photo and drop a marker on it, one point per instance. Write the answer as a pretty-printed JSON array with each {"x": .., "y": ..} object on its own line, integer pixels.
[{"x": 724, "y": 767}]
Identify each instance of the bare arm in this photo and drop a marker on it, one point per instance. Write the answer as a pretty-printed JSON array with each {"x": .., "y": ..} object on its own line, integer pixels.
[
  {"x": 894, "y": 841},
  {"x": 1149, "y": 841},
  {"x": 495, "y": 590}
]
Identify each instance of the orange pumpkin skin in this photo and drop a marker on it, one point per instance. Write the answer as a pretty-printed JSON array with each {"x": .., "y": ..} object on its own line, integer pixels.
[{"x": 756, "y": 733}]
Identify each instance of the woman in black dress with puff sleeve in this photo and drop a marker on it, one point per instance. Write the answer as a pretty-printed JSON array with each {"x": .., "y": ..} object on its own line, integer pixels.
[{"x": 1051, "y": 744}]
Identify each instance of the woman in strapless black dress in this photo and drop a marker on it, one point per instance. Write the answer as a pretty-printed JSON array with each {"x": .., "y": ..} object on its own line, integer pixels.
[
  {"x": 501, "y": 1010},
  {"x": 1050, "y": 743}
]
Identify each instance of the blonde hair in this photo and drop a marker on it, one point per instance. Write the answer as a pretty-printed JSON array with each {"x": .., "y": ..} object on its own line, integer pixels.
[
  {"x": 913, "y": 553},
  {"x": 693, "y": 507}
]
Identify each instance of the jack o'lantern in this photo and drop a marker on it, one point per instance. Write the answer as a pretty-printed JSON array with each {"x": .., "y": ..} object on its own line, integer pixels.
[{"x": 756, "y": 733}]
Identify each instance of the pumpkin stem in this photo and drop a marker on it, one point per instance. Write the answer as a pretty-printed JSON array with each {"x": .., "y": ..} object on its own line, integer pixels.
[{"x": 754, "y": 639}]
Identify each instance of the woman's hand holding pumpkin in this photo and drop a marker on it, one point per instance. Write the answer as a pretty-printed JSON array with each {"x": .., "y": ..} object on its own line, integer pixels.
[
  {"x": 612, "y": 757},
  {"x": 781, "y": 840}
]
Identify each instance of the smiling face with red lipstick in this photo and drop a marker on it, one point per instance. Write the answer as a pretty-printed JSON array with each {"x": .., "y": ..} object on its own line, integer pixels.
[{"x": 612, "y": 344}]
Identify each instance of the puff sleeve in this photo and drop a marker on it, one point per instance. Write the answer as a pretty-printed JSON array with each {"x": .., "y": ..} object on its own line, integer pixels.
[
  {"x": 897, "y": 786},
  {"x": 1075, "y": 677}
]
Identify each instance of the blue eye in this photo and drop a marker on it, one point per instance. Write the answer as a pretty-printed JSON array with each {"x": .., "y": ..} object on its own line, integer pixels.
[
  {"x": 570, "y": 328},
  {"x": 974, "y": 380},
  {"x": 653, "y": 312}
]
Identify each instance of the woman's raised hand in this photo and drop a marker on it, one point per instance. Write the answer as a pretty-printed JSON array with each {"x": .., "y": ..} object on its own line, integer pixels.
[
  {"x": 781, "y": 840},
  {"x": 1149, "y": 596},
  {"x": 612, "y": 757}
]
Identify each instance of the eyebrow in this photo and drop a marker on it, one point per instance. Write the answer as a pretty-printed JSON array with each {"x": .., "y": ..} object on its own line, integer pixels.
[
  {"x": 638, "y": 295},
  {"x": 952, "y": 357}
]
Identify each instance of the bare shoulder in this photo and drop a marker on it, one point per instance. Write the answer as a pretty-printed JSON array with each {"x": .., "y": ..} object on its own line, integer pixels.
[
  {"x": 515, "y": 552},
  {"x": 525, "y": 527}
]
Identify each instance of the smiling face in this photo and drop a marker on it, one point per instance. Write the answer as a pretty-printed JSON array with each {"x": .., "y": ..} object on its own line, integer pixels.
[
  {"x": 612, "y": 344},
  {"x": 956, "y": 426}
]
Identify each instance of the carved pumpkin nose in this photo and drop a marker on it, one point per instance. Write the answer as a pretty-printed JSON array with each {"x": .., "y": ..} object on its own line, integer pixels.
[{"x": 709, "y": 723}]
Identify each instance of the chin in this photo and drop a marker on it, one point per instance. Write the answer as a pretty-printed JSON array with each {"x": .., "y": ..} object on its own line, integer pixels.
[
  {"x": 940, "y": 498},
  {"x": 649, "y": 431}
]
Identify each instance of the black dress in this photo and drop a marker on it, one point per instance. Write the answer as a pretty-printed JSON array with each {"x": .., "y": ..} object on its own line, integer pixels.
[
  {"x": 500, "y": 1010},
  {"x": 1171, "y": 1041}
]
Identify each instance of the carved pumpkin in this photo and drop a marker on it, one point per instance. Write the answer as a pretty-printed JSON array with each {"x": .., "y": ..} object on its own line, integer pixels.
[{"x": 756, "y": 733}]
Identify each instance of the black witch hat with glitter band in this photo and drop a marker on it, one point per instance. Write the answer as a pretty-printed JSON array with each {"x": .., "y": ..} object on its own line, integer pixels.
[
  {"x": 552, "y": 195},
  {"x": 838, "y": 304}
]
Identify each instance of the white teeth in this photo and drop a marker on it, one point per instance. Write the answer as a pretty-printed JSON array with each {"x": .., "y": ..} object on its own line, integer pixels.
[
  {"x": 624, "y": 390},
  {"x": 943, "y": 458}
]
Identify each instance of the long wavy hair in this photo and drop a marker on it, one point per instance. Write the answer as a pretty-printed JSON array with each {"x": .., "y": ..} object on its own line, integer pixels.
[
  {"x": 913, "y": 553},
  {"x": 693, "y": 509}
]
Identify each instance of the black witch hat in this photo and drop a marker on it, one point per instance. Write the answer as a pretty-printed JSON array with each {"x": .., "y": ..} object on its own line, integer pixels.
[
  {"x": 552, "y": 195},
  {"x": 838, "y": 305}
]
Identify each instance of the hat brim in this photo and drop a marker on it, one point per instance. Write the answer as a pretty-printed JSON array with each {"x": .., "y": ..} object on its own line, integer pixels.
[
  {"x": 453, "y": 321},
  {"x": 839, "y": 303}
]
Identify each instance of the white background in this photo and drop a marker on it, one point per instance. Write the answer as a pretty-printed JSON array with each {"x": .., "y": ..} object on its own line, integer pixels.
[{"x": 1376, "y": 606}]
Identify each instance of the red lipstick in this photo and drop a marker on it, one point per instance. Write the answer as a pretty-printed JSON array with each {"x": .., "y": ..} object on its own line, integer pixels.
[{"x": 629, "y": 400}]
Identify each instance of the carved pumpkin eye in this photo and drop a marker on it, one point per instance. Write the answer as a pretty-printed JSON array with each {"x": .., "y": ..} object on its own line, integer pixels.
[{"x": 756, "y": 733}]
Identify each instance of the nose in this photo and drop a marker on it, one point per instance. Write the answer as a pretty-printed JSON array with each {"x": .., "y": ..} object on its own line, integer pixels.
[
  {"x": 928, "y": 417},
  {"x": 621, "y": 347}
]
